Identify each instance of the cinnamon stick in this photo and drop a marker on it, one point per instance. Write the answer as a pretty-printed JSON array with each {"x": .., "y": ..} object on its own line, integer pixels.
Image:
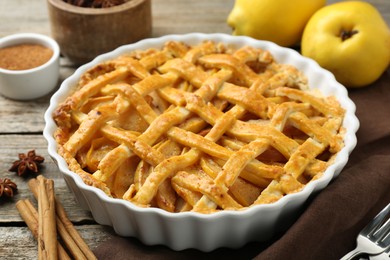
[
  {"x": 68, "y": 233},
  {"x": 30, "y": 216},
  {"x": 66, "y": 237},
  {"x": 69, "y": 242},
  {"x": 75, "y": 237},
  {"x": 47, "y": 229}
]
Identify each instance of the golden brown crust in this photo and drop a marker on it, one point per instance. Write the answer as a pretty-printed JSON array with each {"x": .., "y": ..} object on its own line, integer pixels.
[{"x": 201, "y": 128}]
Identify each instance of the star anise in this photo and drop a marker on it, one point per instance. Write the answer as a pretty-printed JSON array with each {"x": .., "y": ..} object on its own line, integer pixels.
[
  {"x": 7, "y": 187},
  {"x": 27, "y": 163}
]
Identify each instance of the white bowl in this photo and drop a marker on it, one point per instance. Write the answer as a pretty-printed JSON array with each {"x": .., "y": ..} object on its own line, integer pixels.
[
  {"x": 205, "y": 232},
  {"x": 30, "y": 83}
]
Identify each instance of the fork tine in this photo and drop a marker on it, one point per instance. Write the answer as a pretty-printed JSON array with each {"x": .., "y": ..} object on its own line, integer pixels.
[
  {"x": 373, "y": 226},
  {"x": 382, "y": 231}
]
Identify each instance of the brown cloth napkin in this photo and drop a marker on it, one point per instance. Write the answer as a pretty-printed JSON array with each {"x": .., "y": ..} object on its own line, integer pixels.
[{"x": 328, "y": 226}]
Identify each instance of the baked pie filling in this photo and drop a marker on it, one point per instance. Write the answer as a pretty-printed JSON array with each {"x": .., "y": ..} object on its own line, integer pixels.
[{"x": 198, "y": 128}]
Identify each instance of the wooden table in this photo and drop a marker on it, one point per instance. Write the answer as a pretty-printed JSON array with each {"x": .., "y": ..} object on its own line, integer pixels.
[{"x": 21, "y": 123}]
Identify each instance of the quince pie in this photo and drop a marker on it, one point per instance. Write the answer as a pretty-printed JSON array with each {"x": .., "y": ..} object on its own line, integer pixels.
[{"x": 198, "y": 128}]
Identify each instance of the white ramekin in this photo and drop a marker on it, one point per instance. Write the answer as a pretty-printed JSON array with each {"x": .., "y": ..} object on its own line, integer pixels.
[{"x": 30, "y": 83}]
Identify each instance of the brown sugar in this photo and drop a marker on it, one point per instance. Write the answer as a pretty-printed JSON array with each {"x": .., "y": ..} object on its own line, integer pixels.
[{"x": 24, "y": 56}]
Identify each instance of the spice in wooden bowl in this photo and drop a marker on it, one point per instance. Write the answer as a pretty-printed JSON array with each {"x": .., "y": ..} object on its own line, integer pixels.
[
  {"x": 24, "y": 56},
  {"x": 96, "y": 3}
]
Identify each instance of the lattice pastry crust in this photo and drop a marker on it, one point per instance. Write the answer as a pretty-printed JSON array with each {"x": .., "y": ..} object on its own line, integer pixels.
[{"x": 198, "y": 128}]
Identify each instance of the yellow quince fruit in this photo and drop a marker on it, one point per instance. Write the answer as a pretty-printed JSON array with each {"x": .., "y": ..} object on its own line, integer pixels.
[
  {"x": 350, "y": 39},
  {"x": 279, "y": 21}
]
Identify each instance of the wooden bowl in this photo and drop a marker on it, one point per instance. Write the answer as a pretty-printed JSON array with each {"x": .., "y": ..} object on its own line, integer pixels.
[{"x": 84, "y": 33}]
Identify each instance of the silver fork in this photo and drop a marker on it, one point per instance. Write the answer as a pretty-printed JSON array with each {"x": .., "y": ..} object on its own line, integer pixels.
[
  {"x": 385, "y": 255},
  {"x": 375, "y": 237}
]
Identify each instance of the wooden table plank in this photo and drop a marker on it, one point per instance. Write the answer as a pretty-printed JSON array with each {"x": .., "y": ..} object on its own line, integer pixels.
[
  {"x": 23, "y": 16},
  {"x": 18, "y": 242}
]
